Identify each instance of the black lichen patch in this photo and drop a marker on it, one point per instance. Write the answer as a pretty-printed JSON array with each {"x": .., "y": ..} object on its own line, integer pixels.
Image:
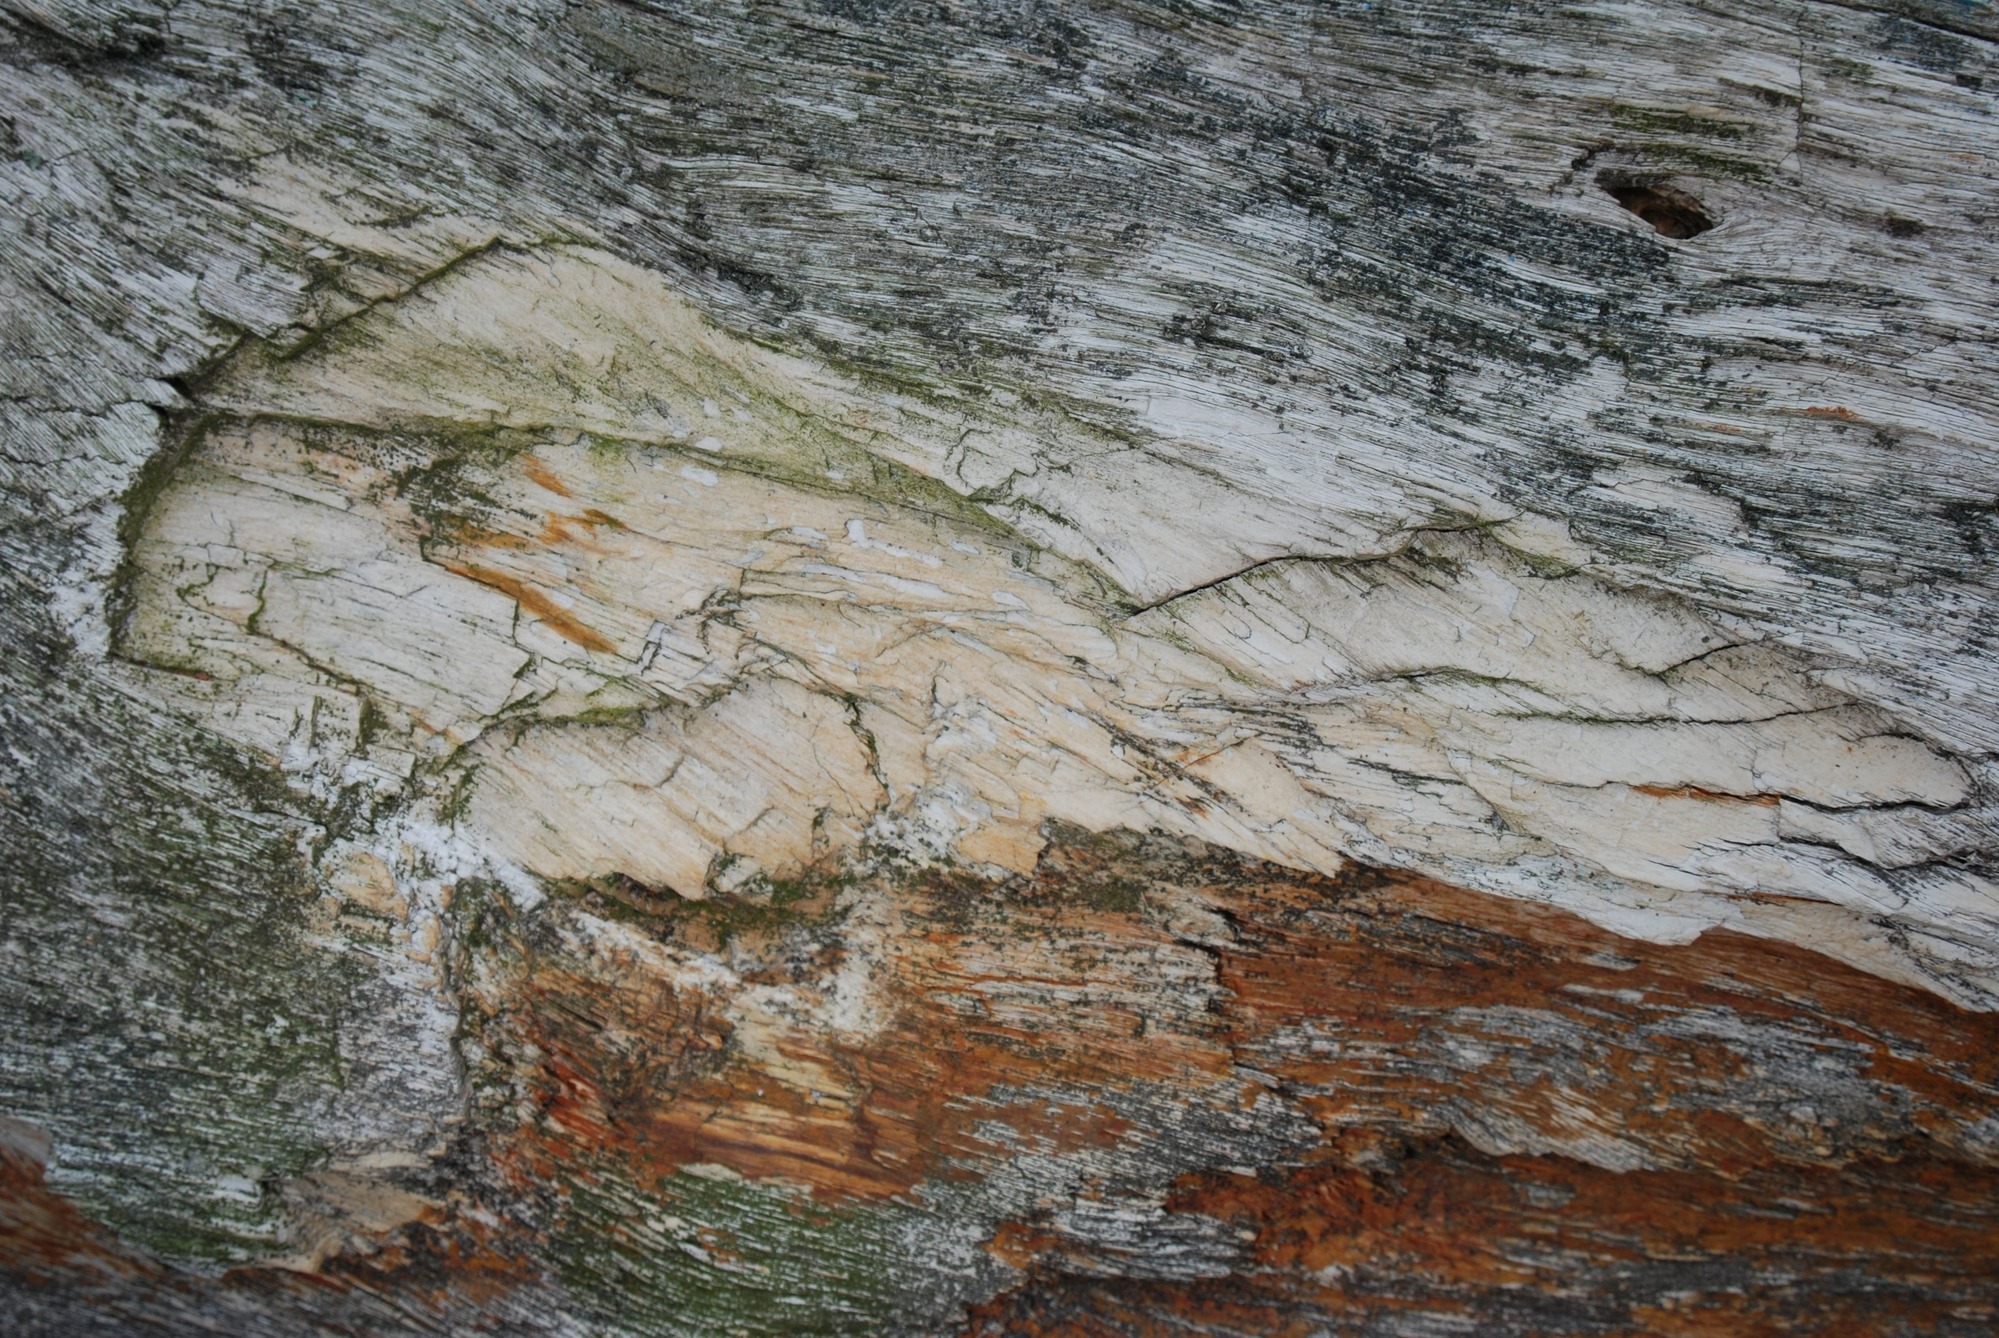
[{"x": 1672, "y": 213}]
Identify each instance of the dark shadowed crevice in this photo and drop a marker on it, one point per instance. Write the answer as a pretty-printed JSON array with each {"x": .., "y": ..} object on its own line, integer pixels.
[{"x": 1672, "y": 213}]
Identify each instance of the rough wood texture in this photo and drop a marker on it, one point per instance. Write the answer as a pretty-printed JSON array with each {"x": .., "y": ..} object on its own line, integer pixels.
[{"x": 1089, "y": 668}]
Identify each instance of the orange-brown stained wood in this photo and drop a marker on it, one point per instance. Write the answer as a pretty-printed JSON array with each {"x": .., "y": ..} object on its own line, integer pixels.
[
  {"x": 1397, "y": 1009},
  {"x": 1439, "y": 1227},
  {"x": 538, "y": 469},
  {"x": 1712, "y": 1054},
  {"x": 1375, "y": 1000},
  {"x": 537, "y": 602},
  {"x": 1034, "y": 1000},
  {"x": 44, "y": 1237},
  {"x": 1523, "y": 1123}
]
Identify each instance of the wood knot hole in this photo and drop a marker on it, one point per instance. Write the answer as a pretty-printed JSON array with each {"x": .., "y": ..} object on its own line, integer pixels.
[{"x": 1672, "y": 213}]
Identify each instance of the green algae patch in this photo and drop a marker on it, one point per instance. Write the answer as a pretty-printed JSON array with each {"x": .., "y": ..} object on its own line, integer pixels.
[
  {"x": 705, "y": 1252},
  {"x": 761, "y": 907},
  {"x": 176, "y": 1031},
  {"x": 1650, "y": 120}
]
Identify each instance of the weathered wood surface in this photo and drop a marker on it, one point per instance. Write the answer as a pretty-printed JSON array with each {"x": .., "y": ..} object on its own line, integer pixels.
[
  {"x": 1149, "y": 1089},
  {"x": 598, "y": 598}
]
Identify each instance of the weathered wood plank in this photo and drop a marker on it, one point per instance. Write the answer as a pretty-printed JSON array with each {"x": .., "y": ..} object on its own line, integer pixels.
[{"x": 578, "y": 576}]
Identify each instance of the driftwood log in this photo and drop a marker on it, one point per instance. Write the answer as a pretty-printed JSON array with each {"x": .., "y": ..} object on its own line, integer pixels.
[{"x": 853, "y": 667}]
